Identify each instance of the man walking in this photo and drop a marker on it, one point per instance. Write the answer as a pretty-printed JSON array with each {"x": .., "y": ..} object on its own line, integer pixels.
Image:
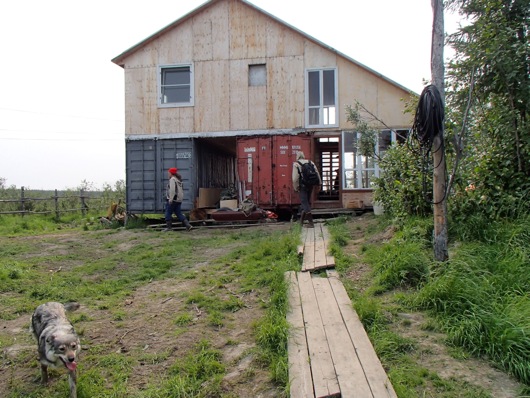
[{"x": 305, "y": 177}]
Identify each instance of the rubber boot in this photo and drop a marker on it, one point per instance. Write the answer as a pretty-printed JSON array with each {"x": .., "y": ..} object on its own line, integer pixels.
[
  {"x": 309, "y": 218},
  {"x": 169, "y": 226},
  {"x": 187, "y": 225},
  {"x": 302, "y": 217}
]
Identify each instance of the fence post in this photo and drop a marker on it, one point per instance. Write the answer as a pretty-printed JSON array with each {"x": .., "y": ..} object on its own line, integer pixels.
[
  {"x": 56, "y": 199},
  {"x": 83, "y": 205},
  {"x": 23, "y": 207}
]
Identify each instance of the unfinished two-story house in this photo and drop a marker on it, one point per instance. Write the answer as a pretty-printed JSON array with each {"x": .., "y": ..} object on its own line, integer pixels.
[{"x": 229, "y": 93}]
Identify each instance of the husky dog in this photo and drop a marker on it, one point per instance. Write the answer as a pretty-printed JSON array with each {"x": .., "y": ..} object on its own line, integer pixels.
[{"x": 57, "y": 342}]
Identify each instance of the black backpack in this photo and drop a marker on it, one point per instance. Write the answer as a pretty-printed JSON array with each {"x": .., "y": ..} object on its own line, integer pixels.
[{"x": 309, "y": 174}]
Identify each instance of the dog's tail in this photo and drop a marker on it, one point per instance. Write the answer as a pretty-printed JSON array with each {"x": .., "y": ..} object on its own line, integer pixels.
[{"x": 71, "y": 306}]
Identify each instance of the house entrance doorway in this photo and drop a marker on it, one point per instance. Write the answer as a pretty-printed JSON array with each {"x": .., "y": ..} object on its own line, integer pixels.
[{"x": 327, "y": 156}]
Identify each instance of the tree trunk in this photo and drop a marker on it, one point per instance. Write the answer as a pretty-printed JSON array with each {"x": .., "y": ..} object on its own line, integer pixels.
[{"x": 438, "y": 149}]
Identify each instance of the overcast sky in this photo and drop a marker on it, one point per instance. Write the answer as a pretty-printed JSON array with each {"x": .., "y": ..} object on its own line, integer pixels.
[{"x": 62, "y": 99}]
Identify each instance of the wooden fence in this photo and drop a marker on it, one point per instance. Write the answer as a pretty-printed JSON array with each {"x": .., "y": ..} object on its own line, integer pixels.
[{"x": 57, "y": 202}]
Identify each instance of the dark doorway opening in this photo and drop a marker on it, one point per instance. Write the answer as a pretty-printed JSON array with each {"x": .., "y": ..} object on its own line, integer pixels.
[{"x": 327, "y": 155}]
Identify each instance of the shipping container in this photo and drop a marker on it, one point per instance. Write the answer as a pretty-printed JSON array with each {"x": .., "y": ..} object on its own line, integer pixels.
[
  {"x": 255, "y": 167},
  {"x": 265, "y": 167},
  {"x": 202, "y": 163},
  {"x": 146, "y": 172}
]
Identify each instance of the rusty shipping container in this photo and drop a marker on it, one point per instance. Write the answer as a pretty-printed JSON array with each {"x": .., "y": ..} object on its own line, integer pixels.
[{"x": 265, "y": 165}]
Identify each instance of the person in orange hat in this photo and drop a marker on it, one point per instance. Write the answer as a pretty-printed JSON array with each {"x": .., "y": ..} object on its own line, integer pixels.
[{"x": 174, "y": 196}]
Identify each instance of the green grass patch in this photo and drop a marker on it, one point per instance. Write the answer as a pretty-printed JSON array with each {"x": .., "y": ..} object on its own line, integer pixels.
[{"x": 479, "y": 299}]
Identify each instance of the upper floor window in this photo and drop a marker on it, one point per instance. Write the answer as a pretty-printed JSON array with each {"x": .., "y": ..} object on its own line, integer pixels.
[
  {"x": 321, "y": 98},
  {"x": 176, "y": 85}
]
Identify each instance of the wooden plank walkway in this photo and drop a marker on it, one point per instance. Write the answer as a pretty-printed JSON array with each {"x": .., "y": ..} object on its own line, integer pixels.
[
  {"x": 315, "y": 248},
  {"x": 330, "y": 354}
]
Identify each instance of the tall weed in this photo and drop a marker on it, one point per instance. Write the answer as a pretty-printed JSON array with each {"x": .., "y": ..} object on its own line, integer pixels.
[{"x": 482, "y": 294}]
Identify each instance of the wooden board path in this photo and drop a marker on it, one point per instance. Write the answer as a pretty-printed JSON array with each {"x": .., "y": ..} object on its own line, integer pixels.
[
  {"x": 330, "y": 354},
  {"x": 315, "y": 248}
]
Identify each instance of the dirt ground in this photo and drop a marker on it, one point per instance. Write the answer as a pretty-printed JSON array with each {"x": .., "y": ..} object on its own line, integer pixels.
[{"x": 147, "y": 329}]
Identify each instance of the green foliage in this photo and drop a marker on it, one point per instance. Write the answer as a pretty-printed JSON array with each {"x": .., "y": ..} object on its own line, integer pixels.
[
  {"x": 479, "y": 299},
  {"x": 402, "y": 261},
  {"x": 363, "y": 124},
  {"x": 481, "y": 295},
  {"x": 405, "y": 184},
  {"x": 491, "y": 68}
]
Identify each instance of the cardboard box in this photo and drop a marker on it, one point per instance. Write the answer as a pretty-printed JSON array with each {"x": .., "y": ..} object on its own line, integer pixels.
[
  {"x": 208, "y": 197},
  {"x": 230, "y": 204}
]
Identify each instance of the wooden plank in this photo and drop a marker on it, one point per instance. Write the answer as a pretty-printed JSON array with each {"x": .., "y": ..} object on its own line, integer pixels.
[
  {"x": 375, "y": 373},
  {"x": 330, "y": 260},
  {"x": 308, "y": 263},
  {"x": 303, "y": 239},
  {"x": 350, "y": 374},
  {"x": 320, "y": 248},
  {"x": 301, "y": 385},
  {"x": 324, "y": 377}
]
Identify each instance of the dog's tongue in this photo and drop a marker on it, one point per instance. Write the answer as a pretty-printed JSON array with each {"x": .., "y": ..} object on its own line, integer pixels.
[{"x": 71, "y": 365}]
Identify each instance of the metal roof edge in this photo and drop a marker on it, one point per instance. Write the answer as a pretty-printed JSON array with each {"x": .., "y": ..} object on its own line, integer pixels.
[{"x": 215, "y": 134}]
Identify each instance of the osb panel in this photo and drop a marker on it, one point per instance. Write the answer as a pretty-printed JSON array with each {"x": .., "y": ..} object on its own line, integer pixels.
[
  {"x": 140, "y": 101},
  {"x": 211, "y": 33},
  {"x": 220, "y": 31},
  {"x": 257, "y": 107},
  {"x": 318, "y": 57},
  {"x": 285, "y": 97},
  {"x": 212, "y": 105},
  {"x": 283, "y": 41},
  {"x": 202, "y": 39},
  {"x": 239, "y": 109},
  {"x": 391, "y": 105},
  {"x": 355, "y": 84},
  {"x": 176, "y": 46},
  {"x": 248, "y": 32},
  {"x": 380, "y": 97},
  {"x": 144, "y": 58},
  {"x": 176, "y": 120}
]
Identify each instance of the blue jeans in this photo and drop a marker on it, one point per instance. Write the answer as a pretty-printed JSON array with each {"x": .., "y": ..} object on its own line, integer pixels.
[{"x": 174, "y": 208}]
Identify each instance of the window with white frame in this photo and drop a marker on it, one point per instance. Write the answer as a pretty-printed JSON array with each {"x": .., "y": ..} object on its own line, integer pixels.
[
  {"x": 321, "y": 97},
  {"x": 360, "y": 170},
  {"x": 175, "y": 83}
]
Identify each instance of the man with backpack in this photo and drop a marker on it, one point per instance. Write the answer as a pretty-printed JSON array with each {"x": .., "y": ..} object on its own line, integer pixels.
[{"x": 305, "y": 177}]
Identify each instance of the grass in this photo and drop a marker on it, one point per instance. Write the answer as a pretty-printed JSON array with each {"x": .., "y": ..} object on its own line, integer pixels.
[
  {"x": 103, "y": 270},
  {"x": 479, "y": 299},
  {"x": 482, "y": 296}
]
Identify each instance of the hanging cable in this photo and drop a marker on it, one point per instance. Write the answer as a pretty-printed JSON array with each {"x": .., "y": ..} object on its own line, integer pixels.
[
  {"x": 429, "y": 123},
  {"x": 429, "y": 118}
]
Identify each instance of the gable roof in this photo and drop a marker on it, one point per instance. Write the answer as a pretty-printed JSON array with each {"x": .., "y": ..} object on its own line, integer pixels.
[{"x": 119, "y": 60}]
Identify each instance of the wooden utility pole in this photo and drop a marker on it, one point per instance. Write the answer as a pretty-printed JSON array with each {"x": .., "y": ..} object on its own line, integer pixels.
[{"x": 438, "y": 151}]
